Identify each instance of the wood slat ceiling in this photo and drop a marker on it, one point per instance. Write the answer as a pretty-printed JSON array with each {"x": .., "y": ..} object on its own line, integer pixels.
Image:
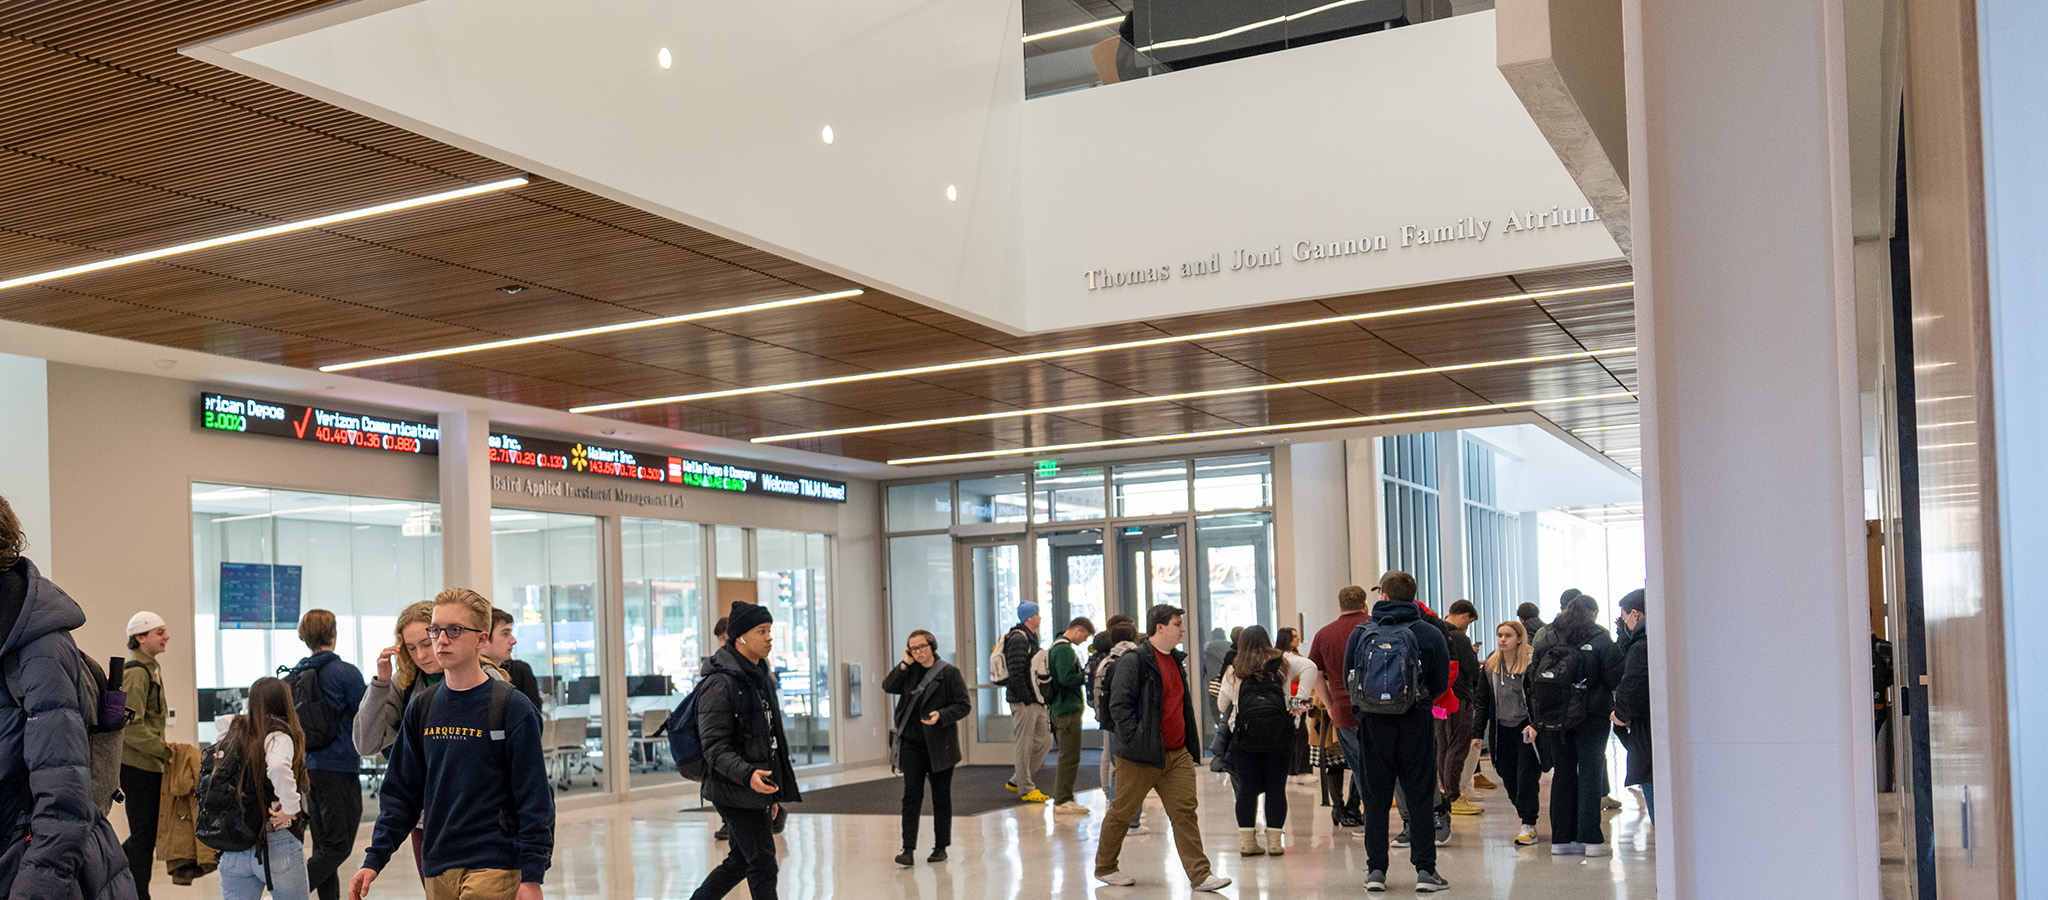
[{"x": 114, "y": 143}]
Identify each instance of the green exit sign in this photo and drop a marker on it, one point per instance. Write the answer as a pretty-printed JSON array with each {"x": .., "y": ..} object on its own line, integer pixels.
[{"x": 1048, "y": 468}]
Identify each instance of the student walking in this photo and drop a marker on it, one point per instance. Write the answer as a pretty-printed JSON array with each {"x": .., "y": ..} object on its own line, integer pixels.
[
  {"x": 1570, "y": 686},
  {"x": 1504, "y": 711},
  {"x": 924, "y": 740},
  {"x": 263, "y": 751},
  {"x": 1455, "y": 731},
  {"x": 1263, "y": 719},
  {"x": 1153, "y": 712},
  {"x": 1031, "y": 722},
  {"x": 143, "y": 751},
  {"x": 334, "y": 799},
  {"x": 1123, "y": 638},
  {"x": 404, "y": 668},
  {"x": 467, "y": 763},
  {"x": 43, "y": 756},
  {"x": 747, "y": 772},
  {"x": 1326, "y": 651},
  {"x": 500, "y": 652},
  {"x": 1063, "y": 703},
  {"x": 1397, "y": 727},
  {"x": 1632, "y": 699}
]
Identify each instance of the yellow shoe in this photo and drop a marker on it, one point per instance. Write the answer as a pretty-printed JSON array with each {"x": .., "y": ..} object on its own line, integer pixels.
[
  {"x": 1036, "y": 796},
  {"x": 1464, "y": 807}
]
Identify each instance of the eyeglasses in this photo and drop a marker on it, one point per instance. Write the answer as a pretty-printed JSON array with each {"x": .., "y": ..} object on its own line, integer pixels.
[
  {"x": 916, "y": 647},
  {"x": 452, "y": 632}
]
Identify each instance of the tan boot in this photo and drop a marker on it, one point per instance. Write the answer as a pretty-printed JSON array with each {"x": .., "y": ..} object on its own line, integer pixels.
[
  {"x": 1248, "y": 842},
  {"x": 1276, "y": 842}
]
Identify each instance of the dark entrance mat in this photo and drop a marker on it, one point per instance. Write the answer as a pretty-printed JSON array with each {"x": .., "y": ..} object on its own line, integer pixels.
[{"x": 976, "y": 790}]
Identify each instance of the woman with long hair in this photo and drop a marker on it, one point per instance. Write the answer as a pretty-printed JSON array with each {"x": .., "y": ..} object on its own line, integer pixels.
[
  {"x": 272, "y": 753},
  {"x": 1261, "y": 716},
  {"x": 402, "y": 668},
  {"x": 1506, "y": 707},
  {"x": 1302, "y": 692},
  {"x": 924, "y": 742},
  {"x": 1578, "y": 753}
]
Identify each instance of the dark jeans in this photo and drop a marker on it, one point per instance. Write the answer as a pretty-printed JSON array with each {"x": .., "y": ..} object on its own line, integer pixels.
[
  {"x": 750, "y": 857},
  {"x": 1398, "y": 750},
  {"x": 334, "y": 806},
  {"x": 917, "y": 769},
  {"x": 1453, "y": 747},
  {"x": 1580, "y": 760},
  {"x": 1520, "y": 774},
  {"x": 144, "y": 793},
  {"x": 1261, "y": 773}
]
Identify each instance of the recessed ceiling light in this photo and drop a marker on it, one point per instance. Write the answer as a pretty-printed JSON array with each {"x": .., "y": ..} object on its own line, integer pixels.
[
  {"x": 952, "y": 193},
  {"x": 512, "y": 288},
  {"x": 1191, "y": 395},
  {"x": 586, "y": 332},
  {"x": 828, "y": 134},
  {"x": 166, "y": 364},
  {"x": 1254, "y": 429},
  {"x": 1100, "y": 348},
  {"x": 664, "y": 58},
  {"x": 271, "y": 231}
]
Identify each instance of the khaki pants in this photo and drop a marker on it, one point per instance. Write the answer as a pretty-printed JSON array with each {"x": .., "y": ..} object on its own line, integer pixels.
[
  {"x": 1034, "y": 740},
  {"x": 1175, "y": 785},
  {"x": 474, "y": 884}
]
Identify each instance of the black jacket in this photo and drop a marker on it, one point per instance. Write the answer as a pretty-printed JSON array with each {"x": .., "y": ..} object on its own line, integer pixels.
[
  {"x": 1019, "y": 645},
  {"x": 947, "y": 697},
  {"x": 740, "y": 724},
  {"x": 1632, "y": 703},
  {"x": 1470, "y": 680},
  {"x": 1605, "y": 663},
  {"x": 1429, "y": 642},
  {"x": 1137, "y": 706}
]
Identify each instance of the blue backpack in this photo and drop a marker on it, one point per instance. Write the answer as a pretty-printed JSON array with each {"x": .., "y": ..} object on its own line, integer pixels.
[
  {"x": 685, "y": 745},
  {"x": 1383, "y": 669}
]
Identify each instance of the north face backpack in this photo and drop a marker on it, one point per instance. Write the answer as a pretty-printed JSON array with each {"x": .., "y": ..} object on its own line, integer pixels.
[
  {"x": 226, "y": 816},
  {"x": 1383, "y": 669},
  {"x": 1041, "y": 672},
  {"x": 1263, "y": 723},
  {"x": 1557, "y": 688},
  {"x": 103, "y": 705},
  {"x": 316, "y": 718},
  {"x": 685, "y": 744}
]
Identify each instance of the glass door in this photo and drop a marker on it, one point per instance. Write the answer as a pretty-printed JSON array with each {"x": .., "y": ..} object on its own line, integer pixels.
[
  {"x": 990, "y": 582},
  {"x": 1072, "y": 581},
  {"x": 1149, "y": 572}
]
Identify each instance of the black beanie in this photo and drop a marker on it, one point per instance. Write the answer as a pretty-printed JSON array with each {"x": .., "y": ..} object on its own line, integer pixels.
[
  {"x": 1633, "y": 602},
  {"x": 746, "y": 617}
]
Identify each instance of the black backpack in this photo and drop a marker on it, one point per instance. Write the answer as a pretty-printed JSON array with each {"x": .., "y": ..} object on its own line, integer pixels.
[
  {"x": 320, "y": 722},
  {"x": 1557, "y": 688},
  {"x": 1263, "y": 723},
  {"x": 227, "y": 815}
]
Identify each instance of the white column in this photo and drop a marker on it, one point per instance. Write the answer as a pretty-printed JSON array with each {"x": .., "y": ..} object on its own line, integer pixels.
[
  {"x": 1362, "y": 487},
  {"x": 1450, "y": 518},
  {"x": 466, "y": 500},
  {"x": 25, "y": 452},
  {"x": 1759, "y": 641}
]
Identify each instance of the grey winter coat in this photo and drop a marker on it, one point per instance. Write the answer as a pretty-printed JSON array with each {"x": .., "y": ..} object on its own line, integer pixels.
[{"x": 58, "y": 845}]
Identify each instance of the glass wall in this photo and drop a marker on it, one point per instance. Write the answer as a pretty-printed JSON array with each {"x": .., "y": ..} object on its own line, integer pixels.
[
  {"x": 921, "y": 589},
  {"x": 262, "y": 557},
  {"x": 793, "y": 585},
  {"x": 1408, "y": 478},
  {"x": 666, "y": 634},
  {"x": 1493, "y": 543},
  {"x": 549, "y": 576}
]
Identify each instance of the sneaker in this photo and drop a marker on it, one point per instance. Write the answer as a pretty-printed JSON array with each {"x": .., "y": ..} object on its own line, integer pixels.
[
  {"x": 722, "y": 834},
  {"x": 1010, "y": 786},
  {"x": 1527, "y": 837},
  {"x": 1428, "y": 881},
  {"x": 1443, "y": 829},
  {"x": 1573, "y": 848},
  {"x": 1036, "y": 796},
  {"x": 1212, "y": 884},
  {"x": 1350, "y": 820},
  {"x": 1072, "y": 808},
  {"x": 905, "y": 859},
  {"x": 1117, "y": 878},
  {"x": 1600, "y": 849},
  {"x": 1464, "y": 807},
  {"x": 938, "y": 855},
  {"x": 1139, "y": 829},
  {"x": 1609, "y": 803},
  {"x": 1376, "y": 880},
  {"x": 1483, "y": 783},
  {"x": 1401, "y": 840}
]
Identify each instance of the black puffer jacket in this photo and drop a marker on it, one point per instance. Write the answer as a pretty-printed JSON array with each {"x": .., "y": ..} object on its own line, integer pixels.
[
  {"x": 58, "y": 844},
  {"x": 1137, "y": 706},
  {"x": 741, "y": 727},
  {"x": 1632, "y": 703},
  {"x": 1019, "y": 645},
  {"x": 947, "y": 696},
  {"x": 1602, "y": 666}
]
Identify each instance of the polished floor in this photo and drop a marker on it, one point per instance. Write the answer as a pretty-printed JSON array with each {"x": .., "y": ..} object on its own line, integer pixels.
[{"x": 660, "y": 848}]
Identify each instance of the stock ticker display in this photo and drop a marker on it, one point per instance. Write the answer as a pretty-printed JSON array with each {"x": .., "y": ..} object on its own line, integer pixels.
[
  {"x": 657, "y": 466},
  {"x": 247, "y": 415}
]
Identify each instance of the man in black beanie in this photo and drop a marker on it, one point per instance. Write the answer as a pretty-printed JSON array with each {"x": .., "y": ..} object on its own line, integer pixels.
[{"x": 747, "y": 772}]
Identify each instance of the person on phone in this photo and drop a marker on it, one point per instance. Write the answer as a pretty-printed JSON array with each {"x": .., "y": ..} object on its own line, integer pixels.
[
  {"x": 1504, "y": 713},
  {"x": 923, "y": 743},
  {"x": 747, "y": 772}
]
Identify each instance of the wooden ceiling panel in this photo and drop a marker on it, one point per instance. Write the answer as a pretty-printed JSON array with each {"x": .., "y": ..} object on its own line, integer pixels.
[
  {"x": 1506, "y": 331},
  {"x": 1391, "y": 395},
  {"x": 1308, "y": 353},
  {"x": 74, "y": 206},
  {"x": 1030, "y": 385},
  {"x": 1425, "y": 295},
  {"x": 1273, "y": 408},
  {"x": 1576, "y": 276},
  {"x": 1547, "y": 381},
  {"x": 1166, "y": 369}
]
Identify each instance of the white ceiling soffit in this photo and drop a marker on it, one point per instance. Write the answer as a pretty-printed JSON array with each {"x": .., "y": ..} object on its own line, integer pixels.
[
  {"x": 1378, "y": 136},
  {"x": 1558, "y": 470}
]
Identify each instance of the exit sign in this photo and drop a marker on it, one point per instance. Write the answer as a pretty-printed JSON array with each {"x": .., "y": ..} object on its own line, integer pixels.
[{"x": 1048, "y": 468}]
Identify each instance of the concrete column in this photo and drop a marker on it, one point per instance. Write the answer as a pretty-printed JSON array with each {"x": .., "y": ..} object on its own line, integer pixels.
[
  {"x": 466, "y": 500},
  {"x": 1759, "y": 632},
  {"x": 25, "y": 452},
  {"x": 1313, "y": 552},
  {"x": 1362, "y": 486},
  {"x": 1450, "y": 517}
]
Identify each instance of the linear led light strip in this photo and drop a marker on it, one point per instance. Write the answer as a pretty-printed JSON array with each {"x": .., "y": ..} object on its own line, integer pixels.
[
  {"x": 1057, "y": 32},
  {"x": 1100, "y": 348},
  {"x": 1606, "y": 428},
  {"x": 1254, "y": 429},
  {"x": 586, "y": 332},
  {"x": 1192, "y": 395},
  {"x": 271, "y": 231},
  {"x": 1276, "y": 20}
]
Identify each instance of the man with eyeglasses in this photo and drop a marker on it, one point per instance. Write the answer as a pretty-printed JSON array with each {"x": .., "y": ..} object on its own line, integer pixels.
[{"x": 468, "y": 762}]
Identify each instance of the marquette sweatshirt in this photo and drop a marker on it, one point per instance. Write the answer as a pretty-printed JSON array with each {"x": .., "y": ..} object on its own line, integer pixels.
[{"x": 477, "y": 812}]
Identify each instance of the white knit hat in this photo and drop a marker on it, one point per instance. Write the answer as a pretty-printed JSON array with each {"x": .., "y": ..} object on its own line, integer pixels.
[{"x": 144, "y": 622}]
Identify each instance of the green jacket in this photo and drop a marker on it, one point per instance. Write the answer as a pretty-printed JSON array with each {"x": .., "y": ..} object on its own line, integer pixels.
[
  {"x": 142, "y": 742},
  {"x": 1067, "y": 677}
]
